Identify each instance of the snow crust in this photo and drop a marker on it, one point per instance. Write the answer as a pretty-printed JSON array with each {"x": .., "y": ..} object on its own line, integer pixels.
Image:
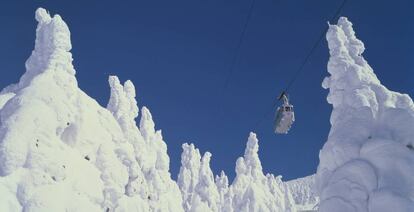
[
  {"x": 367, "y": 164},
  {"x": 61, "y": 151}
]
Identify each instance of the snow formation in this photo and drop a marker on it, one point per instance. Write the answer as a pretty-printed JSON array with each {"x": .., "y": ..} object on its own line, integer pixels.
[
  {"x": 251, "y": 190},
  {"x": 367, "y": 164},
  {"x": 61, "y": 151},
  {"x": 304, "y": 193}
]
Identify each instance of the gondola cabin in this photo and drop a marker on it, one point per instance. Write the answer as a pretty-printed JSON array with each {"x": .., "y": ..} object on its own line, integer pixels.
[{"x": 284, "y": 116}]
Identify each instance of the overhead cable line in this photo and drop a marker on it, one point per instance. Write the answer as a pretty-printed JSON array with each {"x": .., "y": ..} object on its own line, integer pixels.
[
  {"x": 239, "y": 44},
  {"x": 315, "y": 45},
  {"x": 302, "y": 65}
]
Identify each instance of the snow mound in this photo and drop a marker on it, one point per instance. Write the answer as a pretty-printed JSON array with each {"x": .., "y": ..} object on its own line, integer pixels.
[{"x": 367, "y": 164}]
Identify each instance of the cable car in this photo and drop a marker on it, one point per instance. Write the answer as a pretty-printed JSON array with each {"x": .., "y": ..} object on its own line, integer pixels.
[{"x": 285, "y": 116}]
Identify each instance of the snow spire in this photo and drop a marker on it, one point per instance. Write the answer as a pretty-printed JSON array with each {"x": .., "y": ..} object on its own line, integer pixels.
[
  {"x": 251, "y": 156},
  {"x": 52, "y": 48},
  {"x": 42, "y": 16},
  {"x": 189, "y": 173},
  {"x": 355, "y": 46},
  {"x": 196, "y": 181},
  {"x": 154, "y": 140},
  {"x": 348, "y": 68},
  {"x": 206, "y": 189},
  {"x": 50, "y": 63},
  {"x": 122, "y": 102},
  {"x": 250, "y": 190},
  {"x": 372, "y": 128},
  {"x": 222, "y": 183},
  {"x": 146, "y": 125},
  {"x": 281, "y": 192},
  {"x": 250, "y": 165}
]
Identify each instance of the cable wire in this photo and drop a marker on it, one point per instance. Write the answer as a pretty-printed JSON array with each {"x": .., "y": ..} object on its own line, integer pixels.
[
  {"x": 239, "y": 44},
  {"x": 315, "y": 45},
  {"x": 302, "y": 65}
]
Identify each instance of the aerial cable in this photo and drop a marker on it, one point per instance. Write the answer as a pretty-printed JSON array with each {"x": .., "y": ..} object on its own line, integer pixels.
[
  {"x": 239, "y": 44},
  {"x": 321, "y": 36},
  {"x": 302, "y": 65}
]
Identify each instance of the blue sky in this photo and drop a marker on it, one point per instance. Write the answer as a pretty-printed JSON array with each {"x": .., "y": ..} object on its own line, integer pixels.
[{"x": 178, "y": 54}]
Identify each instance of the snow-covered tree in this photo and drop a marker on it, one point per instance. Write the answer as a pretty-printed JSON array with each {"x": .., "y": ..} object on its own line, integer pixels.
[
  {"x": 61, "y": 151},
  {"x": 206, "y": 188},
  {"x": 189, "y": 173},
  {"x": 250, "y": 189},
  {"x": 196, "y": 181},
  {"x": 222, "y": 183},
  {"x": 304, "y": 192},
  {"x": 58, "y": 144},
  {"x": 366, "y": 164}
]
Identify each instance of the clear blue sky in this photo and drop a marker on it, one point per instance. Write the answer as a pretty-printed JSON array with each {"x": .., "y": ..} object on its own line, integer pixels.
[{"x": 178, "y": 54}]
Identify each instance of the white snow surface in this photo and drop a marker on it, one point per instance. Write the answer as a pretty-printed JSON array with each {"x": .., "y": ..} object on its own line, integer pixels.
[
  {"x": 251, "y": 190},
  {"x": 61, "y": 151},
  {"x": 367, "y": 164},
  {"x": 304, "y": 193}
]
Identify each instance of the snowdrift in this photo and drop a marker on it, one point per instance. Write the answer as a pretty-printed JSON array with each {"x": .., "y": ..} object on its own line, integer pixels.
[
  {"x": 367, "y": 164},
  {"x": 61, "y": 151}
]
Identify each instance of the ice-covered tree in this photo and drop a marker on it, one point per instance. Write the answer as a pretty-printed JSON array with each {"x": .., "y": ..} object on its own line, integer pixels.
[
  {"x": 206, "y": 188},
  {"x": 222, "y": 183},
  {"x": 61, "y": 151},
  {"x": 58, "y": 144},
  {"x": 189, "y": 173},
  {"x": 250, "y": 189},
  {"x": 366, "y": 164},
  {"x": 196, "y": 180}
]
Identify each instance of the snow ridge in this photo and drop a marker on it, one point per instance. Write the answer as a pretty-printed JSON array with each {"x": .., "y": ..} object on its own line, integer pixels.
[{"x": 367, "y": 162}]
